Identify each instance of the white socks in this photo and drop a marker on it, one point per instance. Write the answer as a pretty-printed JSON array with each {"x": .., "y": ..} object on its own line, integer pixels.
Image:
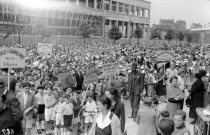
[
  {"x": 56, "y": 131},
  {"x": 37, "y": 125},
  {"x": 43, "y": 126}
]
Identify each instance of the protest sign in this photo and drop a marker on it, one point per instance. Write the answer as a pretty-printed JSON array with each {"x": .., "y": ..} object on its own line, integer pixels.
[
  {"x": 44, "y": 49},
  {"x": 110, "y": 69},
  {"x": 165, "y": 56},
  {"x": 12, "y": 57},
  {"x": 91, "y": 76}
]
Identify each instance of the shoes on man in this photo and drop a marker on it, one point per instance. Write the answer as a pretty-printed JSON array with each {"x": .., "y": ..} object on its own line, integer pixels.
[{"x": 193, "y": 122}]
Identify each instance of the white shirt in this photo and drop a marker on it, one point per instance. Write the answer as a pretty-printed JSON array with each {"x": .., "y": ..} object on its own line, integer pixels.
[
  {"x": 90, "y": 107},
  {"x": 68, "y": 108},
  {"x": 102, "y": 124},
  {"x": 25, "y": 96}
]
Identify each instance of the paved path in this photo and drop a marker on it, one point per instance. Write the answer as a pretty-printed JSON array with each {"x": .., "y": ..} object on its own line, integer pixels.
[{"x": 132, "y": 127}]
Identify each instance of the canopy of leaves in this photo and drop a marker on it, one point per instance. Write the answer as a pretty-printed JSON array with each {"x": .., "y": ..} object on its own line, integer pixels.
[
  {"x": 189, "y": 37},
  {"x": 181, "y": 36},
  {"x": 84, "y": 30},
  {"x": 114, "y": 33},
  {"x": 169, "y": 35},
  {"x": 155, "y": 34},
  {"x": 138, "y": 33}
]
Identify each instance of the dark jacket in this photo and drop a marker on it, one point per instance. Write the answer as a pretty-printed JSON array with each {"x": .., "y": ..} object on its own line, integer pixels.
[
  {"x": 119, "y": 110},
  {"x": 13, "y": 103},
  {"x": 135, "y": 83},
  {"x": 80, "y": 80},
  {"x": 77, "y": 107},
  {"x": 7, "y": 122},
  {"x": 197, "y": 96}
]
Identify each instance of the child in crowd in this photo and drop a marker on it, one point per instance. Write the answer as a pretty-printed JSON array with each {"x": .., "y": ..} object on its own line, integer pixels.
[
  {"x": 166, "y": 126},
  {"x": 39, "y": 98},
  {"x": 68, "y": 114},
  {"x": 163, "y": 114},
  {"x": 90, "y": 109},
  {"x": 77, "y": 106},
  {"x": 50, "y": 102},
  {"x": 179, "y": 120},
  {"x": 59, "y": 111}
]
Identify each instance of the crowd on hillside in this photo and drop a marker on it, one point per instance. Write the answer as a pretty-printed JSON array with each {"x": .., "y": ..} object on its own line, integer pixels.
[{"x": 50, "y": 90}]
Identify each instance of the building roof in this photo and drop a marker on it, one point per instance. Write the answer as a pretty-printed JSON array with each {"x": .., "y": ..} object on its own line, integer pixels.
[{"x": 163, "y": 27}]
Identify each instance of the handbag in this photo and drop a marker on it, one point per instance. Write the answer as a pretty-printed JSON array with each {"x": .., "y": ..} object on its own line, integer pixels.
[{"x": 188, "y": 101}]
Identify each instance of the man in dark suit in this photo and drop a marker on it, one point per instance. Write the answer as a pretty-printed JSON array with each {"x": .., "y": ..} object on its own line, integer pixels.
[
  {"x": 11, "y": 102},
  {"x": 79, "y": 78},
  {"x": 135, "y": 88}
]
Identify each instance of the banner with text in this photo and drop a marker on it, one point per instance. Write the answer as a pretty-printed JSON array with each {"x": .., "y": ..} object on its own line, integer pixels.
[
  {"x": 110, "y": 69},
  {"x": 45, "y": 49},
  {"x": 12, "y": 57}
]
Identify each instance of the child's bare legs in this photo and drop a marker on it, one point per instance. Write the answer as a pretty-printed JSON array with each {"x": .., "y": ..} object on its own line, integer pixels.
[
  {"x": 75, "y": 128},
  {"x": 86, "y": 128}
]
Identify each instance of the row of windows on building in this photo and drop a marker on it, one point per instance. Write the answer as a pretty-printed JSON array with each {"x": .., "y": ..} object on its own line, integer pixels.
[{"x": 108, "y": 5}]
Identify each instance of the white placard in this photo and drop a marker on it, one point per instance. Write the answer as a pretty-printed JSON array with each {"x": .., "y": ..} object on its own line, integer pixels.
[
  {"x": 110, "y": 69},
  {"x": 12, "y": 57},
  {"x": 44, "y": 48},
  {"x": 165, "y": 56}
]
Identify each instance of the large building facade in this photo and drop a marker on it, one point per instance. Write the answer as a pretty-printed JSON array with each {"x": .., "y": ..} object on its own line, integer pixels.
[{"x": 64, "y": 19}]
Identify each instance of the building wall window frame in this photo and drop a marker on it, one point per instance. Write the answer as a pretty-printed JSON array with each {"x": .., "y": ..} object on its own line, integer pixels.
[
  {"x": 121, "y": 7},
  {"x": 132, "y": 10},
  {"x": 106, "y": 5},
  {"x": 126, "y": 11},
  {"x": 99, "y": 4},
  {"x": 114, "y": 6}
]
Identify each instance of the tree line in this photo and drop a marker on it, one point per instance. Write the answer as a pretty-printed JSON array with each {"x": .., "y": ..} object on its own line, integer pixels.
[{"x": 115, "y": 34}]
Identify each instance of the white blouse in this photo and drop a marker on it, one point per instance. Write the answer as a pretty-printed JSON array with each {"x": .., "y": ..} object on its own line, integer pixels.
[{"x": 102, "y": 124}]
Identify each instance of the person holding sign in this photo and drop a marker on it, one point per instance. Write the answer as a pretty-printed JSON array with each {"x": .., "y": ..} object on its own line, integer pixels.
[
  {"x": 7, "y": 121},
  {"x": 11, "y": 102}
]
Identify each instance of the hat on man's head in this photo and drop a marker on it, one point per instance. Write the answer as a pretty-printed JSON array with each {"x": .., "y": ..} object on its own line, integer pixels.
[
  {"x": 26, "y": 84},
  {"x": 40, "y": 87},
  {"x": 198, "y": 75},
  {"x": 4, "y": 69},
  {"x": 134, "y": 65}
]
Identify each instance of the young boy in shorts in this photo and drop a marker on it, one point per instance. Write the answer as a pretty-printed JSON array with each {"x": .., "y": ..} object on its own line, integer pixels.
[
  {"x": 39, "y": 98},
  {"x": 90, "y": 109},
  {"x": 50, "y": 103},
  {"x": 59, "y": 110},
  {"x": 68, "y": 114}
]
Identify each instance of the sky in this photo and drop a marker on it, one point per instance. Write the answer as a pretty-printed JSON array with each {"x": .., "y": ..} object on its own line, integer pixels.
[{"x": 192, "y": 11}]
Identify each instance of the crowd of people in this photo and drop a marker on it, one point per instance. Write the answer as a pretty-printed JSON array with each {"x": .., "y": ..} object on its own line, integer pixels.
[{"x": 50, "y": 90}]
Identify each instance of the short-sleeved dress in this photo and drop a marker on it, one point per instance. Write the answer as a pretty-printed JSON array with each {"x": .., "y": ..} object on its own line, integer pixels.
[{"x": 146, "y": 117}]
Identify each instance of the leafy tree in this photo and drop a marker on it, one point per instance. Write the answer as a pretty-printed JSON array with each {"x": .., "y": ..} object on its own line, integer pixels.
[
  {"x": 155, "y": 34},
  {"x": 138, "y": 33},
  {"x": 85, "y": 30},
  {"x": 189, "y": 37},
  {"x": 169, "y": 35},
  {"x": 181, "y": 36},
  {"x": 114, "y": 33}
]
